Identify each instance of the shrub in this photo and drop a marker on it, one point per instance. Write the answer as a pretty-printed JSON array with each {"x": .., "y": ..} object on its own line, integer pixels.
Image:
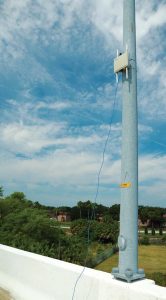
[
  {"x": 158, "y": 277},
  {"x": 144, "y": 240},
  {"x": 164, "y": 239}
]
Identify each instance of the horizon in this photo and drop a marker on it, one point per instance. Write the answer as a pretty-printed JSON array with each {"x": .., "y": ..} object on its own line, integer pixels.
[{"x": 57, "y": 95}]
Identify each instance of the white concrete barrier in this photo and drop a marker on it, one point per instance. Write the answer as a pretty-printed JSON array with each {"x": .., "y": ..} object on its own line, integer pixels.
[{"x": 29, "y": 276}]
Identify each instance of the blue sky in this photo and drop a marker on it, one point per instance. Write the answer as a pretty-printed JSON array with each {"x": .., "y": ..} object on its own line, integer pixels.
[{"x": 56, "y": 97}]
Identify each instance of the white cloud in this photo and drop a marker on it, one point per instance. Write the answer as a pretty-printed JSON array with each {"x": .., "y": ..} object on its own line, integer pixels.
[
  {"x": 66, "y": 169},
  {"x": 152, "y": 180},
  {"x": 53, "y": 105},
  {"x": 31, "y": 139},
  {"x": 144, "y": 129},
  {"x": 19, "y": 138},
  {"x": 149, "y": 18},
  {"x": 107, "y": 17},
  {"x": 152, "y": 168}
]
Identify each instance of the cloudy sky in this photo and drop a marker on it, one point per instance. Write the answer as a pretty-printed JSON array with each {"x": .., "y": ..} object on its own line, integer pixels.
[{"x": 57, "y": 91}]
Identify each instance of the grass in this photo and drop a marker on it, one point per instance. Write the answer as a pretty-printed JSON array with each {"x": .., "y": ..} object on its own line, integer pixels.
[{"x": 152, "y": 259}]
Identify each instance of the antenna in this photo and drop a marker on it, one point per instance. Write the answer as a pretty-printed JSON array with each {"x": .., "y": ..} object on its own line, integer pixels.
[{"x": 121, "y": 63}]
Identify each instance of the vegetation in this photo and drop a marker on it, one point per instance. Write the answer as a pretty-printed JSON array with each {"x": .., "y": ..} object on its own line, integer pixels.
[
  {"x": 25, "y": 226},
  {"x": 28, "y": 226},
  {"x": 158, "y": 277},
  {"x": 145, "y": 240},
  {"x": 1, "y": 192},
  {"x": 90, "y": 237},
  {"x": 106, "y": 232},
  {"x": 154, "y": 215}
]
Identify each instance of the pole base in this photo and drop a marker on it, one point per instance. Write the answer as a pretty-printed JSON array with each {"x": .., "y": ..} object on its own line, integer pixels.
[{"x": 128, "y": 276}]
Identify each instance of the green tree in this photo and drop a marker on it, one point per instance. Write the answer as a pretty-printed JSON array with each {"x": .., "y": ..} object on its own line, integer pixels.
[
  {"x": 115, "y": 212},
  {"x": 1, "y": 192},
  {"x": 95, "y": 231},
  {"x": 155, "y": 215},
  {"x": 107, "y": 232},
  {"x": 94, "y": 209},
  {"x": 79, "y": 228},
  {"x": 18, "y": 196},
  {"x": 75, "y": 213},
  {"x": 88, "y": 205},
  {"x": 80, "y": 205},
  {"x": 143, "y": 214},
  {"x": 28, "y": 227}
]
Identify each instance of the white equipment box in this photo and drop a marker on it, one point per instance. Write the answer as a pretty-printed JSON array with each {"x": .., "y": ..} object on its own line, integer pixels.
[{"x": 121, "y": 62}]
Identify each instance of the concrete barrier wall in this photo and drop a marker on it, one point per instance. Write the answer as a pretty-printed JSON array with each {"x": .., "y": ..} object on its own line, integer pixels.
[{"x": 30, "y": 276}]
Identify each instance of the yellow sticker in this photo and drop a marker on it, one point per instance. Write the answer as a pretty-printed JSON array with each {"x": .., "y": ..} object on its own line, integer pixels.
[{"x": 125, "y": 184}]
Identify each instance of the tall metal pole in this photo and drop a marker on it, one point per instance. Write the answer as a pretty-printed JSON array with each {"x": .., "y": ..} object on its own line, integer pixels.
[{"x": 128, "y": 238}]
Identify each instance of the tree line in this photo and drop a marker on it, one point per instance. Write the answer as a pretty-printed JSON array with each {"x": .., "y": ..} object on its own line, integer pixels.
[
  {"x": 155, "y": 217},
  {"x": 28, "y": 226}
]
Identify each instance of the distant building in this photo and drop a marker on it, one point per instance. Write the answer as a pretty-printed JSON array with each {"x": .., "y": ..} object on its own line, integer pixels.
[
  {"x": 63, "y": 217},
  {"x": 164, "y": 223},
  {"x": 99, "y": 218},
  {"x": 145, "y": 224}
]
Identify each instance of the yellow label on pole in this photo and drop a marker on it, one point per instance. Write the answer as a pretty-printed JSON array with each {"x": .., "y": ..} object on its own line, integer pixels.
[{"x": 125, "y": 185}]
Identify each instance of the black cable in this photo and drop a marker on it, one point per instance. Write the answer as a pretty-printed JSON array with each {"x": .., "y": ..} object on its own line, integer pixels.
[{"x": 97, "y": 189}]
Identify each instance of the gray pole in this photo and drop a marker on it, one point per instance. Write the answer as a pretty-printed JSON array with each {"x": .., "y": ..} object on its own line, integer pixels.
[{"x": 128, "y": 238}]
